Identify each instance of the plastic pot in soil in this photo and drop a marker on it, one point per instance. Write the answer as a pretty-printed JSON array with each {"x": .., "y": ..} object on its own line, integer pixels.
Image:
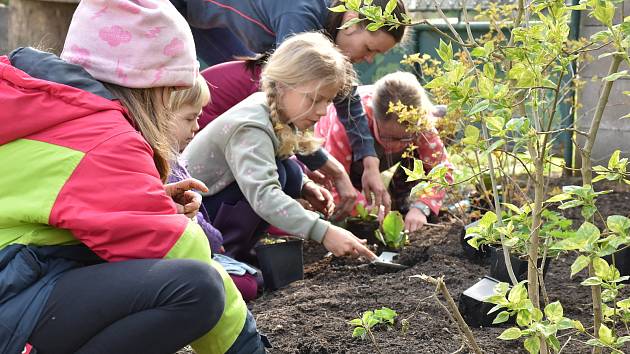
[
  {"x": 363, "y": 229},
  {"x": 622, "y": 262},
  {"x": 498, "y": 270},
  {"x": 471, "y": 305},
  {"x": 281, "y": 263},
  {"x": 470, "y": 252}
]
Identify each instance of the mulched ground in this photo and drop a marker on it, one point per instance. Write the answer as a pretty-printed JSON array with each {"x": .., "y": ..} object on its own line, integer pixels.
[{"x": 310, "y": 316}]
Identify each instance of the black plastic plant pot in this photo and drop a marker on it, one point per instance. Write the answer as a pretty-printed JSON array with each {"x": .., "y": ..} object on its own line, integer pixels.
[
  {"x": 622, "y": 262},
  {"x": 469, "y": 251},
  {"x": 363, "y": 229},
  {"x": 498, "y": 270},
  {"x": 281, "y": 263},
  {"x": 471, "y": 305}
]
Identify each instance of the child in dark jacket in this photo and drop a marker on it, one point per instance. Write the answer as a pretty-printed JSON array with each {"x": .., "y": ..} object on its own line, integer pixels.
[{"x": 186, "y": 106}]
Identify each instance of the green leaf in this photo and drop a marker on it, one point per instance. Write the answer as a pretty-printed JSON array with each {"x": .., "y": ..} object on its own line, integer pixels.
[
  {"x": 518, "y": 293},
  {"x": 559, "y": 198},
  {"x": 601, "y": 267},
  {"x": 488, "y": 219},
  {"x": 615, "y": 76},
  {"x": 497, "y": 144},
  {"x": 592, "y": 281},
  {"x": 618, "y": 224},
  {"x": 578, "y": 325},
  {"x": 471, "y": 135},
  {"x": 393, "y": 227},
  {"x": 503, "y": 316},
  {"x": 510, "y": 334},
  {"x": 554, "y": 343},
  {"x": 353, "y": 5},
  {"x": 359, "y": 332},
  {"x": 338, "y": 8},
  {"x": 604, "y": 12},
  {"x": 532, "y": 345},
  {"x": 514, "y": 208},
  {"x": 580, "y": 263},
  {"x": 486, "y": 87},
  {"x": 356, "y": 322},
  {"x": 606, "y": 335},
  {"x": 554, "y": 312},
  {"x": 614, "y": 159},
  {"x": 478, "y": 52},
  {"x": 495, "y": 123},
  {"x": 578, "y": 7},
  {"x": 351, "y": 22},
  {"x": 374, "y": 26},
  {"x": 391, "y": 5},
  {"x": 479, "y": 107},
  {"x": 445, "y": 51}
]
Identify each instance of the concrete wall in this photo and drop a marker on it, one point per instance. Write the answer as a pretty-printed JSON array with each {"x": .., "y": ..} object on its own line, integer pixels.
[
  {"x": 4, "y": 29},
  {"x": 614, "y": 133},
  {"x": 41, "y": 24}
]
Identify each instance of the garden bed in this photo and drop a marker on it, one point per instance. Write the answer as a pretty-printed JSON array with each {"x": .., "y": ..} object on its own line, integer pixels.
[{"x": 310, "y": 316}]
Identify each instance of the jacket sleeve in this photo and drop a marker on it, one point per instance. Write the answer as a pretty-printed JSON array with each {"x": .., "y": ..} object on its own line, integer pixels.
[
  {"x": 250, "y": 155},
  {"x": 115, "y": 203},
  {"x": 432, "y": 153},
  {"x": 352, "y": 115}
]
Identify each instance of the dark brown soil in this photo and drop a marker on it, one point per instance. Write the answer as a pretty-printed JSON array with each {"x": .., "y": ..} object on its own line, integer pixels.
[{"x": 310, "y": 316}]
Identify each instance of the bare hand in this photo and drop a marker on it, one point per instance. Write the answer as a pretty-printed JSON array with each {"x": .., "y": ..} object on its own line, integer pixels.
[
  {"x": 373, "y": 184},
  {"x": 319, "y": 198},
  {"x": 333, "y": 171},
  {"x": 414, "y": 220},
  {"x": 343, "y": 243},
  {"x": 187, "y": 201}
]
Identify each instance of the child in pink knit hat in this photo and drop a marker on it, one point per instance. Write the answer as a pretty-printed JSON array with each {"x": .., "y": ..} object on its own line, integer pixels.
[
  {"x": 100, "y": 255},
  {"x": 139, "y": 44}
]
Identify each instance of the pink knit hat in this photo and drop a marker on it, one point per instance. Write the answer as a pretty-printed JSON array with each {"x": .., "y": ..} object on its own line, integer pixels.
[{"x": 132, "y": 43}]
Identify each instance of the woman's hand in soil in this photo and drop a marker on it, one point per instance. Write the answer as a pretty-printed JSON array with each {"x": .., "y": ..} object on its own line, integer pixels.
[
  {"x": 319, "y": 198},
  {"x": 343, "y": 243},
  {"x": 373, "y": 184},
  {"x": 186, "y": 200},
  {"x": 414, "y": 220}
]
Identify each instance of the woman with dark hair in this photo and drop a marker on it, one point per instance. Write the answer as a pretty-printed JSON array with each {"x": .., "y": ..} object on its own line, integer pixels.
[{"x": 260, "y": 25}]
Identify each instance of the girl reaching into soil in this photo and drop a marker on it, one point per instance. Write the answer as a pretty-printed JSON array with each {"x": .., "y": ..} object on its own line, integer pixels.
[
  {"x": 234, "y": 81},
  {"x": 186, "y": 106},
  {"x": 244, "y": 154},
  {"x": 93, "y": 254},
  {"x": 393, "y": 139}
]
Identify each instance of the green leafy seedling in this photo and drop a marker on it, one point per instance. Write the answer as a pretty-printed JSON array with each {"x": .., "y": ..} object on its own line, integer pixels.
[
  {"x": 363, "y": 325},
  {"x": 363, "y": 213},
  {"x": 393, "y": 232}
]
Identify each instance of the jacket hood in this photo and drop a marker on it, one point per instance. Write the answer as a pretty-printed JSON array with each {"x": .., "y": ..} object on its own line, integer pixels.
[{"x": 38, "y": 91}]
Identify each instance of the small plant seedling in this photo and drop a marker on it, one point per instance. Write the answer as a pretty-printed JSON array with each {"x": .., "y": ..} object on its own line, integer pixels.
[
  {"x": 393, "y": 232},
  {"x": 364, "y": 214},
  {"x": 363, "y": 325},
  {"x": 270, "y": 240}
]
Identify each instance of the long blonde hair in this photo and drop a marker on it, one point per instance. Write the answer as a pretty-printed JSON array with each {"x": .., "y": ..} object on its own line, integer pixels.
[
  {"x": 151, "y": 117},
  {"x": 198, "y": 95},
  {"x": 303, "y": 58}
]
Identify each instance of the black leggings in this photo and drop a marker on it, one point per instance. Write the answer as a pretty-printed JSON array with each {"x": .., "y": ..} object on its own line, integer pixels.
[{"x": 140, "y": 306}]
